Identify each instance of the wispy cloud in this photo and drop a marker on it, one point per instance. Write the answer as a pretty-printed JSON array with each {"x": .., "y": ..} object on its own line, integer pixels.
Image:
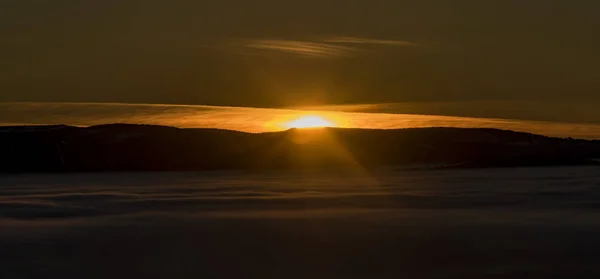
[
  {"x": 306, "y": 48},
  {"x": 358, "y": 40},
  {"x": 378, "y": 116},
  {"x": 322, "y": 48}
]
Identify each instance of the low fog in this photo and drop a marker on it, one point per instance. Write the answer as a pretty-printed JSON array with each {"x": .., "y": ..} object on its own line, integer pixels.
[{"x": 533, "y": 222}]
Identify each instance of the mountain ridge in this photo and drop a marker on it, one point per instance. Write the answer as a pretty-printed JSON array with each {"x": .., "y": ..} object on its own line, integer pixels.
[{"x": 134, "y": 147}]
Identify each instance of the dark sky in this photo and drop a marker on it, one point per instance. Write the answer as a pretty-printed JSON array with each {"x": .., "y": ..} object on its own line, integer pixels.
[{"x": 281, "y": 53}]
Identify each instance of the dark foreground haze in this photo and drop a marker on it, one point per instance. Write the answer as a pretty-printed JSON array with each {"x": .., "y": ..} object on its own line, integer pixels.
[{"x": 485, "y": 223}]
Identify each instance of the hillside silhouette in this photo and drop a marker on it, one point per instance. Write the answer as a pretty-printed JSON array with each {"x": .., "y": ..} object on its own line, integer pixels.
[{"x": 124, "y": 147}]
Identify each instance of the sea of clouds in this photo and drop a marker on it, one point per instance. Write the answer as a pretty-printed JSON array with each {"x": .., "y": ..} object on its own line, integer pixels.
[{"x": 528, "y": 222}]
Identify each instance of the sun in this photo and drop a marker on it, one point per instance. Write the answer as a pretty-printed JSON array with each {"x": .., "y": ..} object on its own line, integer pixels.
[{"x": 309, "y": 121}]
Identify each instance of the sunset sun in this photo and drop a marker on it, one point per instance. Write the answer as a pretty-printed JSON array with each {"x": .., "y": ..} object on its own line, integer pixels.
[{"x": 311, "y": 121}]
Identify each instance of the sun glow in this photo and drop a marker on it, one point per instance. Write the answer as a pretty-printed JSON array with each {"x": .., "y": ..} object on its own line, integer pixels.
[{"x": 309, "y": 121}]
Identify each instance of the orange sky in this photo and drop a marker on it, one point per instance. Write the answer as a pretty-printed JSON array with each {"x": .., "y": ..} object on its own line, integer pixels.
[{"x": 261, "y": 119}]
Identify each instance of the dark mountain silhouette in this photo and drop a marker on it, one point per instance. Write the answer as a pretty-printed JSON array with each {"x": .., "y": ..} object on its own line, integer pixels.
[{"x": 124, "y": 147}]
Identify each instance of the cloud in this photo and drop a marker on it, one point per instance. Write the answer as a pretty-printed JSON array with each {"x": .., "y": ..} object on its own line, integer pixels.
[
  {"x": 358, "y": 40},
  {"x": 379, "y": 116},
  {"x": 304, "y": 48},
  {"x": 321, "y": 48},
  {"x": 115, "y": 194},
  {"x": 67, "y": 225}
]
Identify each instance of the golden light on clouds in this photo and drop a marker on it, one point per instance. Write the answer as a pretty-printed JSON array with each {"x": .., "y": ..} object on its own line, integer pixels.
[
  {"x": 257, "y": 120},
  {"x": 328, "y": 47},
  {"x": 309, "y": 121},
  {"x": 304, "y": 48}
]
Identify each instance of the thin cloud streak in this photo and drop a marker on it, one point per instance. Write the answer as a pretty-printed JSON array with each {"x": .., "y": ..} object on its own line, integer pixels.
[
  {"x": 358, "y": 40},
  {"x": 264, "y": 120},
  {"x": 304, "y": 48},
  {"x": 321, "y": 48}
]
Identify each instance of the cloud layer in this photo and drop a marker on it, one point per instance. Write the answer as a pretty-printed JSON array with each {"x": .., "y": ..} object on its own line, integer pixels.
[
  {"x": 265, "y": 120},
  {"x": 89, "y": 195},
  {"x": 300, "y": 225}
]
